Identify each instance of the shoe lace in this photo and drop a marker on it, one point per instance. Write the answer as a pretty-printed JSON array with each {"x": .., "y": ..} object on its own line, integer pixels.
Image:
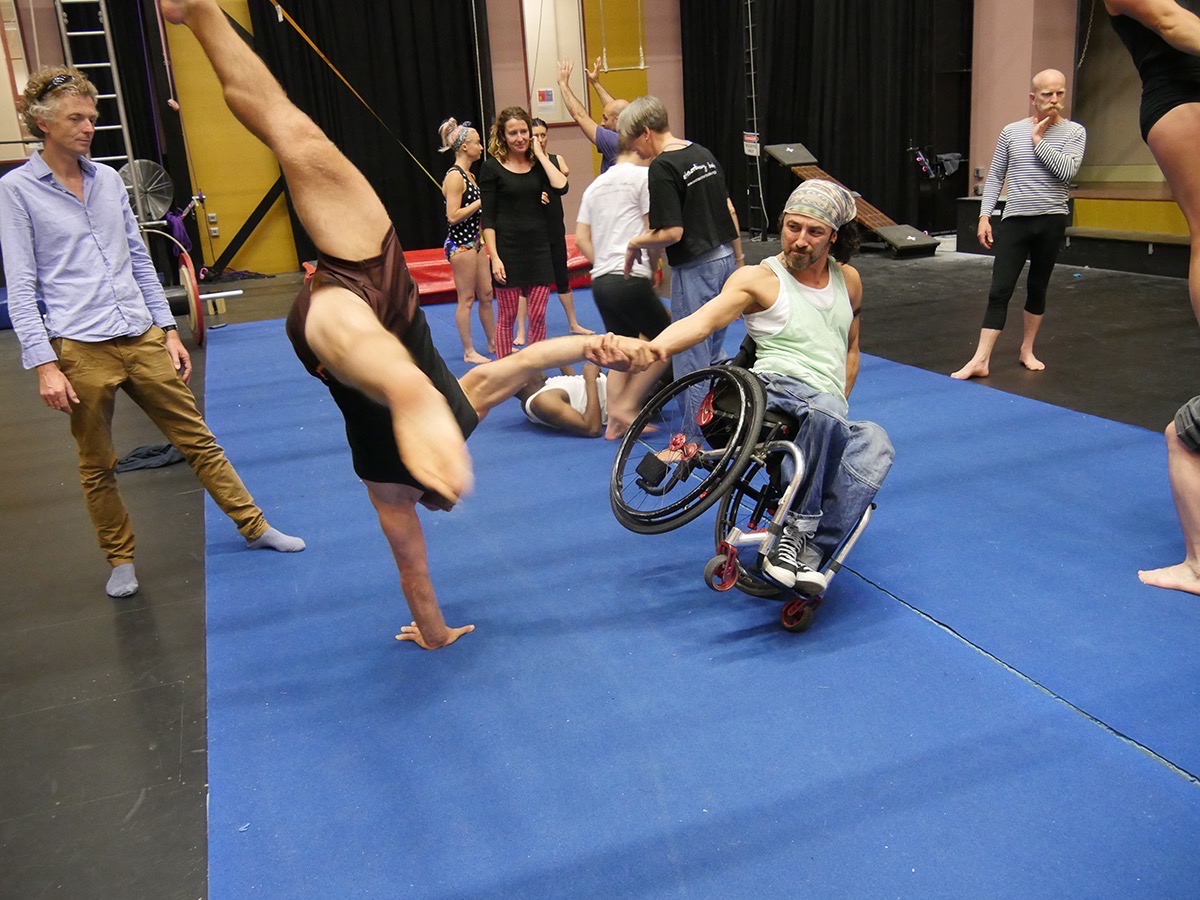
[{"x": 790, "y": 544}]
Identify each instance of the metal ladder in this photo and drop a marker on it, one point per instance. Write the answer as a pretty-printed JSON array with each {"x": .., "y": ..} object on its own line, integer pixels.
[
  {"x": 87, "y": 46},
  {"x": 757, "y": 226}
]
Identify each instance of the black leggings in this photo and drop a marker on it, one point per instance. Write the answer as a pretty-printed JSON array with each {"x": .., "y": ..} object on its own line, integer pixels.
[{"x": 1020, "y": 238}]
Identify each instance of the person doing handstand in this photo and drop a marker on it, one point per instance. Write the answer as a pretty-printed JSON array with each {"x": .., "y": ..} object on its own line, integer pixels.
[{"x": 358, "y": 326}]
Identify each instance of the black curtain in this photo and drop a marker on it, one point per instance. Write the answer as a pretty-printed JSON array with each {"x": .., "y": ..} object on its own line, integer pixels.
[
  {"x": 155, "y": 131},
  {"x": 413, "y": 62},
  {"x": 714, "y": 88},
  {"x": 852, "y": 81}
]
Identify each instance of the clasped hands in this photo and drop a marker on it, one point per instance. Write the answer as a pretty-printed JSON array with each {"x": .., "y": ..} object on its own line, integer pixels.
[{"x": 621, "y": 354}]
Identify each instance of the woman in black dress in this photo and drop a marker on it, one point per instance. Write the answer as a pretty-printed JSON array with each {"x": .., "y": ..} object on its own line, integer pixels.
[{"x": 514, "y": 223}]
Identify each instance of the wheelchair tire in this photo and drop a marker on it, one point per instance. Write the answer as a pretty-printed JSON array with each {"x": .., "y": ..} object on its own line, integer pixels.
[
  {"x": 668, "y": 472},
  {"x": 749, "y": 505},
  {"x": 797, "y": 614}
]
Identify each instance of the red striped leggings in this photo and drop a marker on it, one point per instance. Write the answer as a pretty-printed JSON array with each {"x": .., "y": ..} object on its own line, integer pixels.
[{"x": 507, "y": 301}]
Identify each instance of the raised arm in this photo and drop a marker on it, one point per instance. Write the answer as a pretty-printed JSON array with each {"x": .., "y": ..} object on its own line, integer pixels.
[
  {"x": 575, "y": 106},
  {"x": 593, "y": 77},
  {"x": 1177, "y": 26}
]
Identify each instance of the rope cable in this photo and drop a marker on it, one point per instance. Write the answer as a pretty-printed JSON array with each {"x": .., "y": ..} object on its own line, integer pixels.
[{"x": 283, "y": 13}]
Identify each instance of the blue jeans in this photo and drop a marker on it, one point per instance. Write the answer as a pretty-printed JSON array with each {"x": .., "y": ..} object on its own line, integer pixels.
[
  {"x": 846, "y": 463},
  {"x": 692, "y": 285}
]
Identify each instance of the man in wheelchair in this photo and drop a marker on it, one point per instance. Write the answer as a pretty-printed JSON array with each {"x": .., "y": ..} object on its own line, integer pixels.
[{"x": 801, "y": 308}]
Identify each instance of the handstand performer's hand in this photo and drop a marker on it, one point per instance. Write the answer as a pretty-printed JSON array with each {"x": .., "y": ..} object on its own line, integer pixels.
[{"x": 412, "y": 633}]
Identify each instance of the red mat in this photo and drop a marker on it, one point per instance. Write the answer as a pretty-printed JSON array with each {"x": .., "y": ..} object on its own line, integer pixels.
[{"x": 431, "y": 271}]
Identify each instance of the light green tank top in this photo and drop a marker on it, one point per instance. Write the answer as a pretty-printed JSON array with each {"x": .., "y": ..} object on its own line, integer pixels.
[{"x": 807, "y": 339}]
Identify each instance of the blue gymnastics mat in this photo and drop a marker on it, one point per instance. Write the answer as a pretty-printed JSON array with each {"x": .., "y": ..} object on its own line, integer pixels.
[{"x": 614, "y": 728}]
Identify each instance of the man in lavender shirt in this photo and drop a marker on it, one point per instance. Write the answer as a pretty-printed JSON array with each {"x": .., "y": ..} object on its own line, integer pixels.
[{"x": 71, "y": 241}]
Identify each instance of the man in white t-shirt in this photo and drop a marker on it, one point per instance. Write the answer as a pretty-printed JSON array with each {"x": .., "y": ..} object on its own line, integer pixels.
[{"x": 614, "y": 210}]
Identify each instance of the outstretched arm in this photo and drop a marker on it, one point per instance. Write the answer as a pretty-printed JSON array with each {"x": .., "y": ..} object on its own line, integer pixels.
[
  {"x": 360, "y": 352},
  {"x": 738, "y": 296},
  {"x": 1174, "y": 24},
  {"x": 574, "y": 105}
]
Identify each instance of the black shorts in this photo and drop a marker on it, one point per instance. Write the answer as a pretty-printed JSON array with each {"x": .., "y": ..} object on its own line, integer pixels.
[
  {"x": 385, "y": 285},
  {"x": 1161, "y": 95},
  {"x": 629, "y": 306},
  {"x": 1187, "y": 424},
  {"x": 372, "y": 440}
]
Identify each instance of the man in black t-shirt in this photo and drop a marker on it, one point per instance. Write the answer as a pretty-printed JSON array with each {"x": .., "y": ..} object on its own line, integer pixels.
[{"x": 691, "y": 217}]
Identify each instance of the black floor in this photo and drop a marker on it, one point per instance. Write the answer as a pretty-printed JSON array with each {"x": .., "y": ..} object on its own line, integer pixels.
[{"x": 102, "y": 703}]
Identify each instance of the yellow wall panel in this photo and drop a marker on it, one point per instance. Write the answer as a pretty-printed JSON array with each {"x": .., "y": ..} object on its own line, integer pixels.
[
  {"x": 229, "y": 165},
  {"x": 1145, "y": 216}
]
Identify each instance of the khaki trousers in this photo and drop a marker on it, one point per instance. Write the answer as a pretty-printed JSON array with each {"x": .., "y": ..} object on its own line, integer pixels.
[{"x": 141, "y": 366}]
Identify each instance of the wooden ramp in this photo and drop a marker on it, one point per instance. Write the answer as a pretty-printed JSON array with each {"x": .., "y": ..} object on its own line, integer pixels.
[{"x": 903, "y": 240}]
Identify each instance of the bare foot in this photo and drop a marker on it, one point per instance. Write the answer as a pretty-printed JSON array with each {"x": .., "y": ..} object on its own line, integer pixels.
[
  {"x": 412, "y": 633},
  {"x": 615, "y": 429},
  {"x": 1174, "y": 578},
  {"x": 429, "y": 439},
  {"x": 1032, "y": 363},
  {"x": 579, "y": 329},
  {"x": 175, "y": 11},
  {"x": 519, "y": 340},
  {"x": 474, "y": 358},
  {"x": 973, "y": 369}
]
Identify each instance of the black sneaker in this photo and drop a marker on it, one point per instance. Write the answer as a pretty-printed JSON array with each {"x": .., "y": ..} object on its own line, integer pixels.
[
  {"x": 782, "y": 563},
  {"x": 809, "y": 582}
]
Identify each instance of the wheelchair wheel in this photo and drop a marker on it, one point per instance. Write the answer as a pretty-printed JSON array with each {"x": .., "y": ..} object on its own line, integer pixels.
[
  {"x": 669, "y": 471},
  {"x": 797, "y": 614},
  {"x": 749, "y": 505}
]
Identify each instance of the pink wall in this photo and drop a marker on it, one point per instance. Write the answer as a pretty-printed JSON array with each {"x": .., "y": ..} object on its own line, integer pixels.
[
  {"x": 665, "y": 79},
  {"x": 1013, "y": 40}
]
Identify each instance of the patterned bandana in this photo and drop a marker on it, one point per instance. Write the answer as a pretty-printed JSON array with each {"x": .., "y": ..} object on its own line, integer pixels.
[
  {"x": 460, "y": 136},
  {"x": 824, "y": 201}
]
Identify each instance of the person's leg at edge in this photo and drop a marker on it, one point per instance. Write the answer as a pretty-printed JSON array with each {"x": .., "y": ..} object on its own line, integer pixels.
[
  {"x": 395, "y": 505},
  {"x": 463, "y": 267},
  {"x": 486, "y": 296},
  {"x": 1183, "y": 469},
  {"x": 1006, "y": 269},
  {"x": 1173, "y": 141},
  {"x": 157, "y": 388}
]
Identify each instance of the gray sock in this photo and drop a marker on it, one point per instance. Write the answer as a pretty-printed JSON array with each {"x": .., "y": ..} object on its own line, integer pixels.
[
  {"x": 122, "y": 582},
  {"x": 274, "y": 539}
]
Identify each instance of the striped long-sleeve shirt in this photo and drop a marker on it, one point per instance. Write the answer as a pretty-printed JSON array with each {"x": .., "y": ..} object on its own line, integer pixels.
[{"x": 1037, "y": 176}]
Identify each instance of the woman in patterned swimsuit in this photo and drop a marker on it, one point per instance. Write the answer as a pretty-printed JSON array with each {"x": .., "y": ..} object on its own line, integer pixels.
[{"x": 464, "y": 246}]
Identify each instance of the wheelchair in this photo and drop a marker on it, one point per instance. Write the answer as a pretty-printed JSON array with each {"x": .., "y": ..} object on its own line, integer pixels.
[{"x": 669, "y": 471}]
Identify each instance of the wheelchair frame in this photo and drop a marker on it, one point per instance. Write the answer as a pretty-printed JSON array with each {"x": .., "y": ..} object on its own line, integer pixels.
[{"x": 687, "y": 467}]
